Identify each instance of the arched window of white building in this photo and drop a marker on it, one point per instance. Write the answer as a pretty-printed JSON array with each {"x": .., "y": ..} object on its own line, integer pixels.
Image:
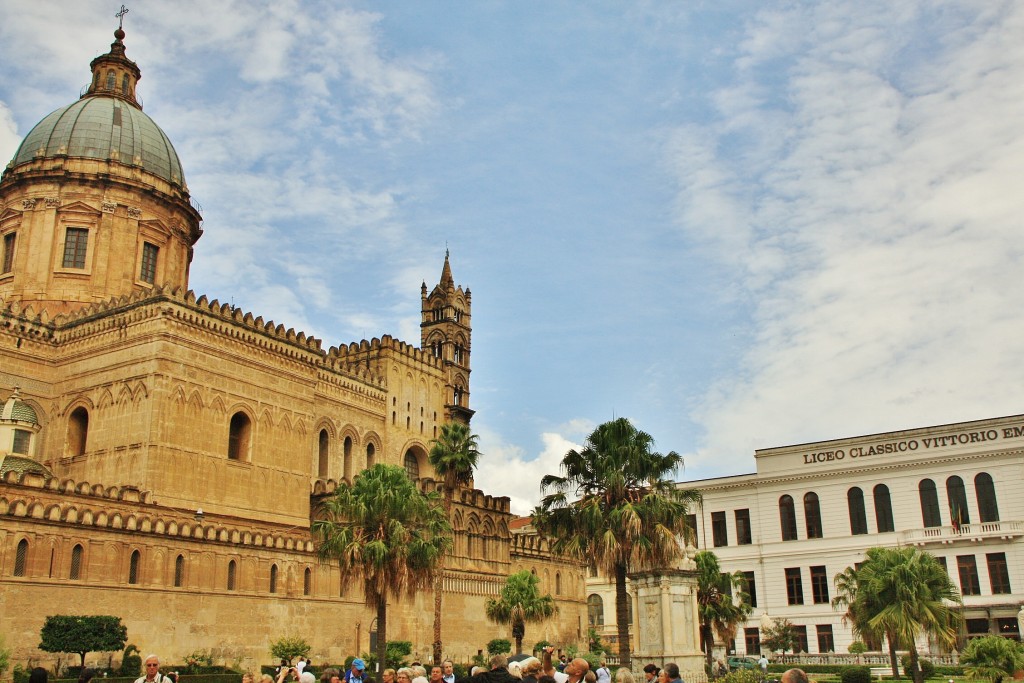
[
  {"x": 595, "y": 610},
  {"x": 985, "y": 490},
  {"x": 812, "y": 515},
  {"x": 956, "y": 493},
  {"x": 858, "y": 519},
  {"x": 787, "y": 518},
  {"x": 930, "y": 515},
  {"x": 883, "y": 509}
]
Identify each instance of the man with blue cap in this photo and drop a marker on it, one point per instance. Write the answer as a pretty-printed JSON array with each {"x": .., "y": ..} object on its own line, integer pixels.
[{"x": 357, "y": 672}]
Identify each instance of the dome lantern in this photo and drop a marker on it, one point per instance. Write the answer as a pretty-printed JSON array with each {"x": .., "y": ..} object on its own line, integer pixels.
[{"x": 114, "y": 75}]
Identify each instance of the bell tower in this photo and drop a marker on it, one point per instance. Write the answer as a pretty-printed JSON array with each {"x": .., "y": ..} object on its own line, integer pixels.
[{"x": 445, "y": 331}]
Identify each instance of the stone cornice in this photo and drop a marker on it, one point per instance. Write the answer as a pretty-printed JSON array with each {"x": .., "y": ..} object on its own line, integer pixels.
[{"x": 127, "y": 509}]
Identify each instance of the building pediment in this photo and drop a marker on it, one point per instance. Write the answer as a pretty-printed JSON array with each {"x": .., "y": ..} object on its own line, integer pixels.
[{"x": 79, "y": 209}]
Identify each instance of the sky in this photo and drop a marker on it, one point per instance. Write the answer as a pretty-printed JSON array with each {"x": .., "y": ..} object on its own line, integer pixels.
[{"x": 740, "y": 224}]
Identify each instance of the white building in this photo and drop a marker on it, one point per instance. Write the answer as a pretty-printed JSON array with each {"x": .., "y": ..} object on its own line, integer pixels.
[{"x": 812, "y": 509}]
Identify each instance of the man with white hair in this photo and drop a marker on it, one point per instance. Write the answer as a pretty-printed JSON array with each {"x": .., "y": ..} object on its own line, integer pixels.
[{"x": 152, "y": 675}]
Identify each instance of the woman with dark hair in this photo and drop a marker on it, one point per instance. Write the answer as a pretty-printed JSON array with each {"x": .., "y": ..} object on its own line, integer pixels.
[
  {"x": 86, "y": 675},
  {"x": 651, "y": 672}
]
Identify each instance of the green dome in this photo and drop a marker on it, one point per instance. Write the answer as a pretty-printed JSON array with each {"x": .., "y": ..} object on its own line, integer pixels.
[
  {"x": 23, "y": 412},
  {"x": 19, "y": 464},
  {"x": 103, "y": 128}
]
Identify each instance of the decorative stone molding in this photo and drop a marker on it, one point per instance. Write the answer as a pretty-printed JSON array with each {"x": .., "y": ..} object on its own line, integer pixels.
[
  {"x": 52, "y": 202},
  {"x": 134, "y": 212},
  {"x": 28, "y": 204},
  {"x": 108, "y": 207}
]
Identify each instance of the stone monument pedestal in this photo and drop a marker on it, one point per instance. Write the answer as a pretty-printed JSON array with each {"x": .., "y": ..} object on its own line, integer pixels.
[{"x": 667, "y": 619}]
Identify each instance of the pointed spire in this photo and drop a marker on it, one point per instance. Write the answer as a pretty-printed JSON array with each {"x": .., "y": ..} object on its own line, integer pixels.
[{"x": 446, "y": 273}]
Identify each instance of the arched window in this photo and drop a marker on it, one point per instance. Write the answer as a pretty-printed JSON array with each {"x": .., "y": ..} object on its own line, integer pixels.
[
  {"x": 371, "y": 455},
  {"x": 558, "y": 583},
  {"x": 124, "y": 84},
  {"x": 787, "y": 518},
  {"x": 985, "y": 490},
  {"x": 231, "y": 575},
  {"x": 133, "y": 567},
  {"x": 348, "y": 458},
  {"x": 595, "y": 610},
  {"x": 21, "y": 557},
  {"x": 412, "y": 465},
  {"x": 78, "y": 431},
  {"x": 179, "y": 571},
  {"x": 238, "y": 440},
  {"x": 111, "y": 80},
  {"x": 307, "y": 582},
  {"x": 273, "y": 578},
  {"x": 883, "y": 509},
  {"x": 858, "y": 519},
  {"x": 956, "y": 493},
  {"x": 76, "y": 563},
  {"x": 930, "y": 515},
  {"x": 812, "y": 515},
  {"x": 457, "y": 396},
  {"x": 323, "y": 452}
]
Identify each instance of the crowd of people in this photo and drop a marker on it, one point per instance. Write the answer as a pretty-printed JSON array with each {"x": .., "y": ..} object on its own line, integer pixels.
[{"x": 499, "y": 670}]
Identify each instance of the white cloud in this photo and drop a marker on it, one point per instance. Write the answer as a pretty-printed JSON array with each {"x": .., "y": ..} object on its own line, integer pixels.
[
  {"x": 9, "y": 137},
  {"x": 880, "y": 243},
  {"x": 505, "y": 469}
]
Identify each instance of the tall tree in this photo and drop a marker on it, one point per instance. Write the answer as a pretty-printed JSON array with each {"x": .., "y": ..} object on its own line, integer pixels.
[
  {"x": 722, "y": 602},
  {"x": 520, "y": 603},
  {"x": 454, "y": 456},
  {"x": 384, "y": 529},
  {"x": 615, "y": 506},
  {"x": 901, "y": 592}
]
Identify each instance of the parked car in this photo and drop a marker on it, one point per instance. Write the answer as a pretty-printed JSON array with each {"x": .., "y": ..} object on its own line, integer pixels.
[{"x": 742, "y": 663}]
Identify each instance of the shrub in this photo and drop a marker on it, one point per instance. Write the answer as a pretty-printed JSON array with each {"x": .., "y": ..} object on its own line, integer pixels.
[
  {"x": 131, "y": 661},
  {"x": 742, "y": 676},
  {"x": 927, "y": 667},
  {"x": 992, "y": 657},
  {"x": 5, "y": 657},
  {"x": 499, "y": 646},
  {"x": 855, "y": 674},
  {"x": 857, "y": 647}
]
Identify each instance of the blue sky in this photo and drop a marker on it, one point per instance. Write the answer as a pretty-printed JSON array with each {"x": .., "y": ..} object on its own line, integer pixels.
[{"x": 739, "y": 224}]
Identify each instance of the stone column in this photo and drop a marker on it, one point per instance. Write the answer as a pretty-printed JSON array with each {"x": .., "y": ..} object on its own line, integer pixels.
[{"x": 667, "y": 621}]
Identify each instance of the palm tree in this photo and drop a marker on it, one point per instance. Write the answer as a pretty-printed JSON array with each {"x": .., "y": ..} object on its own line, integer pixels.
[
  {"x": 628, "y": 513},
  {"x": 859, "y": 608},
  {"x": 992, "y": 657},
  {"x": 454, "y": 456},
  {"x": 901, "y": 592},
  {"x": 387, "y": 531},
  {"x": 719, "y": 613},
  {"x": 520, "y": 603}
]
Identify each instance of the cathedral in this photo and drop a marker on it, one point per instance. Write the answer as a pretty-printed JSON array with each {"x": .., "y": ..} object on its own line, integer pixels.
[{"x": 162, "y": 453}]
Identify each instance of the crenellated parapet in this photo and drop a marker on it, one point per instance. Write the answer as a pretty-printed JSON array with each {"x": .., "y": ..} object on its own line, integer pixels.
[
  {"x": 25, "y": 321},
  {"x": 370, "y": 352},
  {"x": 350, "y": 367}
]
